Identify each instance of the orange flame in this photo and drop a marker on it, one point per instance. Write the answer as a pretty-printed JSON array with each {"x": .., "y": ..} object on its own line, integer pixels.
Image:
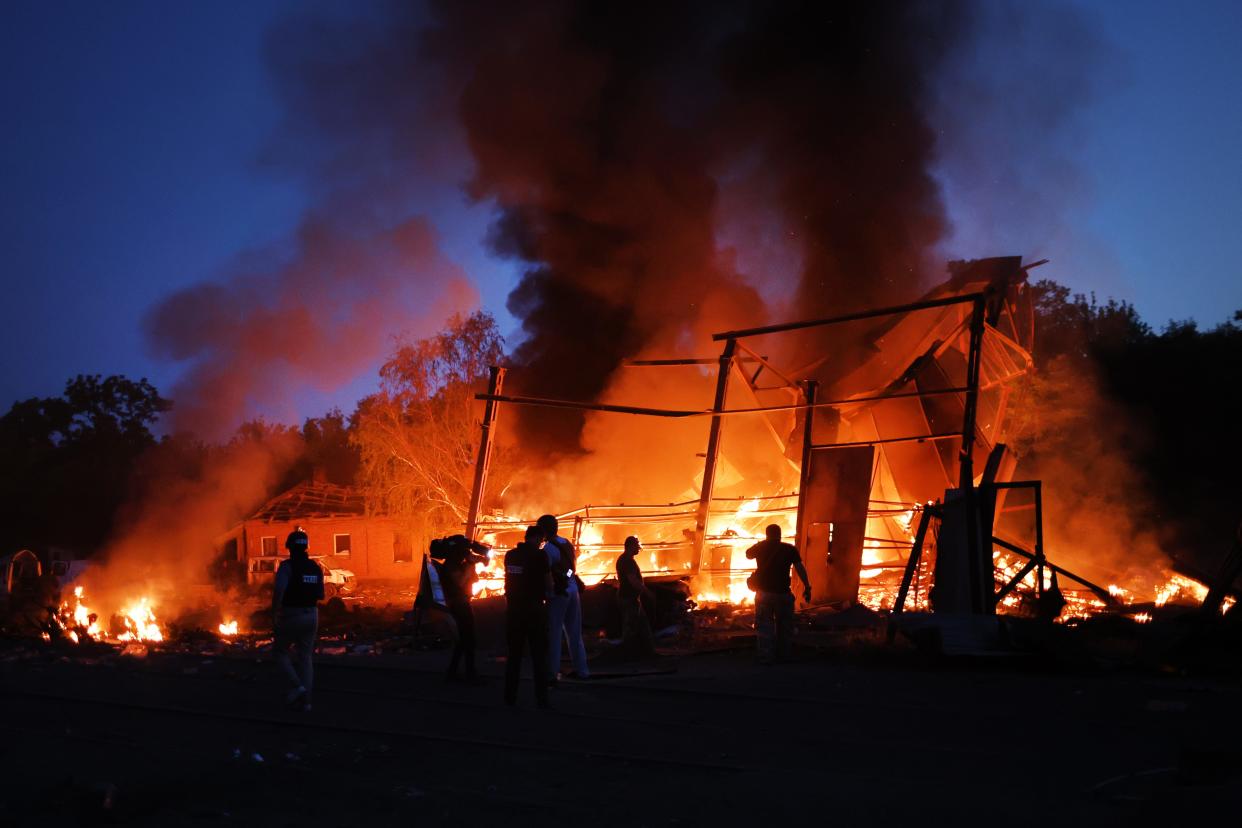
[{"x": 76, "y": 619}]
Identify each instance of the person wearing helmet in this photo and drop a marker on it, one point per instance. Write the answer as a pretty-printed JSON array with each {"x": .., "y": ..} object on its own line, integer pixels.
[
  {"x": 565, "y": 603},
  {"x": 528, "y": 581},
  {"x": 295, "y": 600}
]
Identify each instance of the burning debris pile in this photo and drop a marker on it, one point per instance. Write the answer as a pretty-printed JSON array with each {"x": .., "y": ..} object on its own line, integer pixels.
[{"x": 134, "y": 622}]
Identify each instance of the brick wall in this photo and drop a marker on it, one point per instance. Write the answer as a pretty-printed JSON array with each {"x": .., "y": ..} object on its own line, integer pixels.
[{"x": 372, "y": 553}]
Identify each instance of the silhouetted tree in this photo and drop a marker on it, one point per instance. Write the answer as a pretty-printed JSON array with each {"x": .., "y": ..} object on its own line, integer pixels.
[
  {"x": 418, "y": 435},
  {"x": 65, "y": 462},
  {"x": 1162, "y": 401}
]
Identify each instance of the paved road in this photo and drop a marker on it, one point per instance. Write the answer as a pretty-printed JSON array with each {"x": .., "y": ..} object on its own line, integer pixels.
[{"x": 173, "y": 740}]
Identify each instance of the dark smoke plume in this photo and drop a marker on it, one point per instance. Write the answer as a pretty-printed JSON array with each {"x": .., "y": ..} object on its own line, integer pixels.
[
  {"x": 603, "y": 178},
  {"x": 600, "y": 130},
  {"x": 607, "y": 135},
  {"x": 833, "y": 96}
]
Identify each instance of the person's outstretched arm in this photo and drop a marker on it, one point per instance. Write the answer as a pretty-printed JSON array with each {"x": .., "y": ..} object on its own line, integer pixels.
[{"x": 806, "y": 581}]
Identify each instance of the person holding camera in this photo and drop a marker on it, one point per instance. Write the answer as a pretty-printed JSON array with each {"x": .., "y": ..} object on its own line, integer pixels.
[{"x": 455, "y": 558}]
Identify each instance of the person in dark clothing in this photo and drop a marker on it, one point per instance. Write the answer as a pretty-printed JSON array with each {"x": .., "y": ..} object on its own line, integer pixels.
[
  {"x": 774, "y": 602},
  {"x": 528, "y": 582},
  {"x": 296, "y": 595},
  {"x": 455, "y": 558},
  {"x": 636, "y": 637}
]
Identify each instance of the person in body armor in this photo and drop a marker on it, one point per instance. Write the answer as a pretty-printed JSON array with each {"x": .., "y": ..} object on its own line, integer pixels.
[
  {"x": 455, "y": 558},
  {"x": 774, "y": 602},
  {"x": 565, "y": 602},
  {"x": 528, "y": 582},
  {"x": 295, "y": 600}
]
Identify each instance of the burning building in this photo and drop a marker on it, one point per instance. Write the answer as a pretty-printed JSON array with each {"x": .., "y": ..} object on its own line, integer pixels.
[
  {"x": 893, "y": 479},
  {"x": 347, "y": 539},
  {"x": 644, "y": 167}
]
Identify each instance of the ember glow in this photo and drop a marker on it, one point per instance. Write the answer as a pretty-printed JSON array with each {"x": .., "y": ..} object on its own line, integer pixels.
[{"x": 1180, "y": 589}]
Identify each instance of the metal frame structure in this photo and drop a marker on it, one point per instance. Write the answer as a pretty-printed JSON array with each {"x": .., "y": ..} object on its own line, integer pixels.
[
  {"x": 984, "y": 307},
  {"x": 1035, "y": 559},
  {"x": 979, "y": 302}
]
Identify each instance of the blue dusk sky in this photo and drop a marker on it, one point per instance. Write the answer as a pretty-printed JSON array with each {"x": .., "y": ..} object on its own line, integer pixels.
[{"x": 133, "y": 130}]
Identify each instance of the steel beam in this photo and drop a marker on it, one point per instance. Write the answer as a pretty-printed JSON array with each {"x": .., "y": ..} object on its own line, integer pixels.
[
  {"x": 1102, "y": 593},
  {"x": 681, "y": 413},
  {"x": 917, "y": 438},
  {"x": 1014, "y": 581},
  {"x": 850, "y": 317}
]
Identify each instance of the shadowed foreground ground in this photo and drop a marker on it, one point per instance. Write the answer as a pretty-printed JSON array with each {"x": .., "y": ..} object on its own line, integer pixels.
[{"x": 176, "y": 740}]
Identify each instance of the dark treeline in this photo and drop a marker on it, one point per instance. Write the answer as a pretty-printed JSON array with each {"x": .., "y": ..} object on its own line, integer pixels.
[
  {"x": 1166, "y": 405},
  {"x": 73, "y": 467},
  {"x": 70, "y": 466}
]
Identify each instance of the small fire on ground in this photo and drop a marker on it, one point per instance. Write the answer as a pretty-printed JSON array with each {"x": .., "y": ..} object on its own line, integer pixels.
[{"x": 136, "y": 621}]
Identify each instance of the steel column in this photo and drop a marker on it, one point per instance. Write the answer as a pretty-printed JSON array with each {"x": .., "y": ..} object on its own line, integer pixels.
[
  {"x": 484, "y": 460},
  {"x": 1039, "y": 538},
  {"x": 810, "y": 389},
  {"x": 981, "y": 588},
  {"x": 713, "y": 452}
]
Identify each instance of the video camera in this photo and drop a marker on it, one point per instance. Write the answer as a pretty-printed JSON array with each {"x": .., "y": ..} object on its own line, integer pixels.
[{"x": 456, "y": 549}]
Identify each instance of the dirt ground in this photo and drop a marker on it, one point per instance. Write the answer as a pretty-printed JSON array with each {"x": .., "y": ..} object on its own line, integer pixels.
[{"x": 190, "y": 739}]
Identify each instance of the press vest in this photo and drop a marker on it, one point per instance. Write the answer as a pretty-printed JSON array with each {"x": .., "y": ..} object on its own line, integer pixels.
[{"x": 305, "y": 587}]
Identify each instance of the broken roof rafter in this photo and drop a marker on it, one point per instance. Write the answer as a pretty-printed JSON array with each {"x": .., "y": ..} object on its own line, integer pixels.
[{"x": 309, "y": 500}]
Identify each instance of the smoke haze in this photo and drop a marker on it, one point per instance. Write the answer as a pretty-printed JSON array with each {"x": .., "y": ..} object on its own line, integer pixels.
[{"x": 656, "y": 171}]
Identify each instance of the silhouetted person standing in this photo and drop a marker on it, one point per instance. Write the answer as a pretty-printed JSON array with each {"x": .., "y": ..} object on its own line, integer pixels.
[
  {"x": 295, "y": 600},
  {"x": 565, "y": 603},
  {"x": 528, "y": 582},
  {"x": 456, "y": 557},
  {"x": 636, "y": 637},
  {"x": 774, "y": 602}
]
